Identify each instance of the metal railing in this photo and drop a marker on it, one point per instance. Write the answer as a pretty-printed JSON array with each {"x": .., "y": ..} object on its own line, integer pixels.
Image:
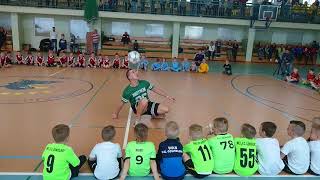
[{"x": 197, "y": 8}]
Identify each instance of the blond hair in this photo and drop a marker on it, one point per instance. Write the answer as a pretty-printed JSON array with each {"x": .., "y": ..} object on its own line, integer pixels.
[
  {"x": 172, "y": 130},
  {"x": 221, "y": 124},
  {"x": 195, "y": 131}
]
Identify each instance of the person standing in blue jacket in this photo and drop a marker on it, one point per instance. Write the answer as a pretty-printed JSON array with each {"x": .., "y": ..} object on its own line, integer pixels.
[
  {"x": 175, "y": 66},
  {"x": 164, "y": 65}
]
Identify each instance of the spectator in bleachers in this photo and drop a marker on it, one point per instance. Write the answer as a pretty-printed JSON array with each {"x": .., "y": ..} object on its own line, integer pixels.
[
  {"x": 162, "y": 6},
  {"x": 3, "y": 37},
  {"x": 126, "y": 5},
  {"x": 229, "y": 50},
  {"x": 182, "y": 7},
  {"x": 125, "y": 38},
  {"x": 136, "y": 46},
  {"x": 95, "y": 40},
  {"x": 62, "y": 44},
  {"x": 229, "y": 7},
  {"x": 242, "y": 4},
  {"x": 53, "y": 39},
  {"x": 215, "y": 7},
  {"x": 142, "y": 5},
  {"x": 134, "y": 5}
]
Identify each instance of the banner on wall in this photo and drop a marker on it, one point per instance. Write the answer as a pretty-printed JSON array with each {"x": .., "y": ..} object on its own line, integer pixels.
[{"x": 43, "y": 26}]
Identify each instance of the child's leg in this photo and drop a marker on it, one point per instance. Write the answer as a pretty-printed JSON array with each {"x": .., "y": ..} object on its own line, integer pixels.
[
  {"x": 286, "y": 167},
  {"x": 92, "y": 165},
  {"x": 75, "y": 170}
]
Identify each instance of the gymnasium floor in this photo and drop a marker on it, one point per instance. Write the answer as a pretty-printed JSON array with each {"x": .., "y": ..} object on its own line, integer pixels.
[{"x": 33, "y": 100}]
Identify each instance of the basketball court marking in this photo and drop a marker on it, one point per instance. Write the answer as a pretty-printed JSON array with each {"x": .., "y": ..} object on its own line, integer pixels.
[
  {"x": 125, "y": 139},
  {"x": 74, "y": 121},
  {"x": 61, "y": 70}
]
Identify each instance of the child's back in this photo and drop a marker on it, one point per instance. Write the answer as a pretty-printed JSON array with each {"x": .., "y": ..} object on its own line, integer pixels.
[
  {"x": 222, "y": 146},
  {"x": 140, "y": 154},
  {"x": 268, "y": 148},
  {"x": 314, "y": 145},
  {"x": 170, "y": 154},
  {"x": 246, "y": 158}
]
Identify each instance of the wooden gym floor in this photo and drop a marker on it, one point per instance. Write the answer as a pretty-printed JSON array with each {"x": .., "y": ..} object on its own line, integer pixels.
[{"x": 34, "y": 99}]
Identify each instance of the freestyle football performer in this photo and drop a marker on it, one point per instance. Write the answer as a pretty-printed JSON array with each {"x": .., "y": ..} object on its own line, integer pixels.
[{"x": 137, "y": 94}]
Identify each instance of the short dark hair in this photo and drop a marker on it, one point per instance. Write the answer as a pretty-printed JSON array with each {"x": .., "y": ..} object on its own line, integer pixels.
[
  {"x": 60, "y": 132},
  {"x": 299, "y": 128},
  {"x": 248, "y": 131},
  {"x": 269, "y": 128},
  {"x": 108, "y": 133},
  {"x": 141, "y": 132}
]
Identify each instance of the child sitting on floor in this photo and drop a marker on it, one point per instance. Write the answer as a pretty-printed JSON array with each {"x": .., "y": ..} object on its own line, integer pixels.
[
  {"x": 51, "y": 61},
  {"x": 106, "y": 63},
  {"x": 105, "y": 158},
  {"x": 2, "y": 59},
  {"x": 175, "y": 67},
  {"x": 156, "y": 66},
  {"x": 193, "y": 67},
  {"x": 144, "y": 63},
  {"x": 185, "y": 65},
  {"x": 8, "y": 58},
  {"x": 169, "y": 156},
  {"x": 125, "y": 63},
  {"x": 164, "y": 65},
  {"x": 92, "y": 61},
  {"x": 227, "y": 68},
  {"x": 116, "y": 62},
  {"x": 71, "y": 60},
  {"x": 197, "y": 155},
  {"x": 63, "y": 60},
  {"x": 246, "y": 146},
  {"x": 268, "y": 148},
  {"x": 204, "y": 67},
  {"x": 140, "y": 155},
  {"x": 310, "y": 77},
  {"x": 314, "y": 145},
  {"x": 100, "y": 61},
  {"x": 39, "y": 60},
  {"x": 29, "y": 59},
  {"x": 19, "y": 58},
  {"x": 316, "y": 83},
  {"x": 296, "y": 152},
  {"x": 81, "y": 62},
  {"x": 294, "y": 76}
]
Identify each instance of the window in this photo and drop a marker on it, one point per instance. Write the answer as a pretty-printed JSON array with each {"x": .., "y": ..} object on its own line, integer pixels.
[
  {"x": 43, "y": 26},
  {"x": 118, "y": 28},
  {"x": 193, "y": 32},
  {"x": 79, "y": 28},
  {"x": 154, "y": 30}
]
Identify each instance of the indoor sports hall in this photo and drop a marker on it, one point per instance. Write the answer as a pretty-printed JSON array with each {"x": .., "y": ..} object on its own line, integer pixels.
[{"x": 34, "y": 99}]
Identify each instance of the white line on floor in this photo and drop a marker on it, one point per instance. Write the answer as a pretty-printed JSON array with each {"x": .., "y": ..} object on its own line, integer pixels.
[
  {"x": 61, "y": 70},
  {"x": 125, "y": 140}
]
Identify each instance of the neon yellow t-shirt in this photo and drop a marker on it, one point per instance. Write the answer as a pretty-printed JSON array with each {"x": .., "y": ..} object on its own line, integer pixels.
[
  {"x": 56, "y": 159},
  {"x": 203, "y": 68},
  {"x": 223, "y": 151},
  {"x": 201, "y": 155},
  {"x": 140, "y": 154},
  {"x": 246, "y": 157}
]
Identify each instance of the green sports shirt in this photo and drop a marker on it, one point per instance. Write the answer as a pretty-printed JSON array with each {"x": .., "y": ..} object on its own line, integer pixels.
[
  {"x": 223, "y": 152},
  {"x": 201, "y": 155},
  {"x": 246, "y": 157},
  {"x": 56, "y": 159},
  {"x": 140, "y": 154},
  {"x": 135, "y": 94}
]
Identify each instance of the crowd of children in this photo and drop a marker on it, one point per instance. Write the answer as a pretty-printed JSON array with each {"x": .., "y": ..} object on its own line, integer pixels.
[
  {"x": 312, "y": 80},
  {"x": 217, "y": 152}
]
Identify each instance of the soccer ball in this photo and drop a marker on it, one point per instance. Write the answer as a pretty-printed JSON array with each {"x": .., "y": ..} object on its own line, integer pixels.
[{"x": 134, "y": 57}]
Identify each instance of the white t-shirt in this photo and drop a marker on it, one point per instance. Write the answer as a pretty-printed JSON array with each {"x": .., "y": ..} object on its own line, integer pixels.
[
  {"x": 53, "y": 35},
  {"x": 106, "y": 154},
  {"x": 298, "y": 154},
  {"x": 315, "y": 156},
  {"x": 212, "y": 48},
  {"x": 270, "y": 162}
]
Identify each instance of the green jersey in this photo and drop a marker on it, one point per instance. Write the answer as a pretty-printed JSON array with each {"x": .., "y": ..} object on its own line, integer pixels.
[
  {"x": 135, "y": 94},
  {"x": 246, "y": 157},
  {"x": 140, "y": 154},
  {"x": 201, "y": 156},
  {"x": 223, "y": 152},
  {"x": 56, "y": 159}
]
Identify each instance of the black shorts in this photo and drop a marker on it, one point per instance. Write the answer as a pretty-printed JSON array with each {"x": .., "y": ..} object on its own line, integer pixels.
[
  {"x": 152, "y": 109},
  {"x": 191, "y": 170}
]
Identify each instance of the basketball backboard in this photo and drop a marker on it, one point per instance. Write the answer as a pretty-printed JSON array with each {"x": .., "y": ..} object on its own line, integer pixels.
[{"x": 268, "y": 12}]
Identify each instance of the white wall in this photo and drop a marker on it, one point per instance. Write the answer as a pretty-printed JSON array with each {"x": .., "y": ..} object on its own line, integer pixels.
[
  {"x": 137, "y": 27},
  {"x": 5, "y": 20},
  {"x": 62, "y": 24}
]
